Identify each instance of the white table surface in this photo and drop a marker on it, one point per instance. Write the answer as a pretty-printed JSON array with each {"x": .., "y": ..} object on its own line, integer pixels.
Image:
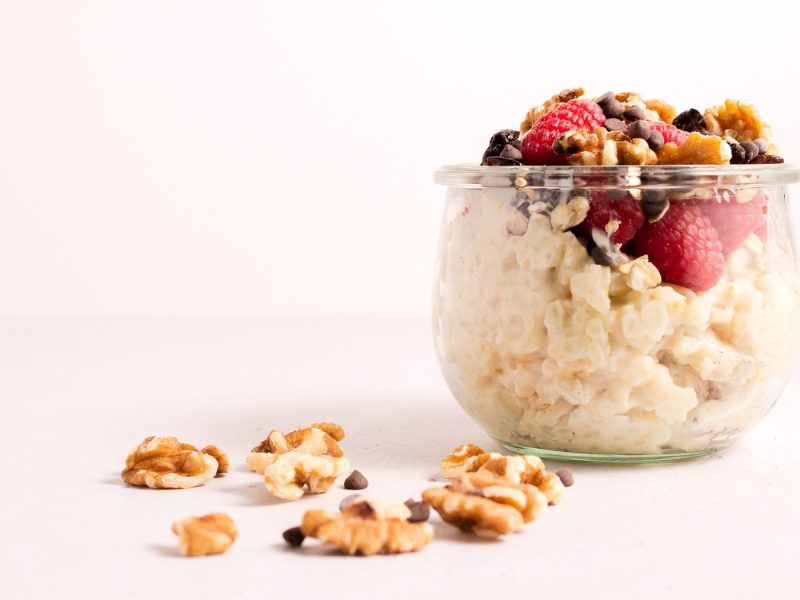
[{"x": 78, "y": 395}]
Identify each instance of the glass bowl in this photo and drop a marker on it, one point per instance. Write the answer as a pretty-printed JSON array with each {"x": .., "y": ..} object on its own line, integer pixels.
[{"x": 562, "y": 343}]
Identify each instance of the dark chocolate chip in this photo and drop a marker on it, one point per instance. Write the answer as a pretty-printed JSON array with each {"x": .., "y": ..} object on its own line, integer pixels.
[
  {"x": 634, "y": 113},
  {"x": 614, "y": 125},
  {"x": 654, "y": 204},
  {"x": 348, "y": 500},
  {"x": 525, "y": 209},
  {"x": 691, "y": 120},
  {"x": 496, "y": 161},
  {"x": 355, "y": 481},
  {"x": 655, "y": 141},
  {"x": 613, "y": 109},
  {"x": 566, "y": 477},
  {"x": 361, "y": 510},
  {"x": 762, "y": 145},
  {"x": 498, "y": 142},
  {"x": 766, "y": 159},
  {"x": 750, "y": 151},
  {"x": 639, "y": 129},
  {"x": 601, "y": 256},
  {"x": 419, "y": 511},
  {"x": 294, "y": 537},
  {"x": 510, "y": 152},
  {"x": 738, "y": 154},
  {"x": 605, "y": 98}
]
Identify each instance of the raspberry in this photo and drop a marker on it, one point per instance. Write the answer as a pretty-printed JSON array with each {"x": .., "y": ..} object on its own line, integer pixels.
[
  {"x": 625, "y": 210},
  {"x": 537, "y": 147},
  {"x": 733, "y": 221},
  {"x": 684, "y": 246},
  {"x": 670, "y": 132}
]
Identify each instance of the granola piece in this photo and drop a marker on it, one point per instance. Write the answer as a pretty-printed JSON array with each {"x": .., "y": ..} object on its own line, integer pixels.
[
  {"x": 502, "y": 469},
  {"x": 368, "y": 526},
  {"x": 665, "y": 112},
  {"x": 164, "y": 462},
  {"x": 535, "y": 113},
  {"x": 307, "y": 458},
  {"x": 698, "y": 149},
  {"x": 209, "y": 534},
  {"x": 480, "y": 504},
  {"x": 737, "y": 120}
]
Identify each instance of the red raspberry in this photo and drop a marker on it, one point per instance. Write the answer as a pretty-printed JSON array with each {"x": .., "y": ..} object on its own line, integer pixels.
[
  {"x": 684, "y": 246},
  {"x": 537, "y": 147},
  {"x": 670, "y": 132},
  {"x": 625, "y": 210},
  {"x": 734, "y": 221}
]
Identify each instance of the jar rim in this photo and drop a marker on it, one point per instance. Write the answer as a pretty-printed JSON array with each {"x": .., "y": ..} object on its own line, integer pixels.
[{"x": 619, "y": 176}]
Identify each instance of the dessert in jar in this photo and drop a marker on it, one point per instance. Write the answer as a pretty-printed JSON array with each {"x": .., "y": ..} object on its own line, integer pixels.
[{"x": 617, "y": 280}]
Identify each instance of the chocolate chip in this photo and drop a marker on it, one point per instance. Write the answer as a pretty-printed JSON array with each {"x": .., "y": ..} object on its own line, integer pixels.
[
  {"x": 750, "y": 151},
  {"x": 498, "y": 143},
  {"x": 605, "y": 98},
  {"x": 348, "y": 500},
  {"x": 510, "y": 152},
  {"x": 738, "y": 154},
  {"x": 601, "y": 256},
  {"x": 496, "y": 161},
  {"x": 654, "y": 204},
  {"x": 525, "y": 209},
  {"x": 294, "y": 537},
  {"x": 766, "y": 159},
  {"x": 419, "y": 511},
  {"x": 361, "y": 510},
  {"x": 634, "y": 113},
  {"x": 655, "y": 141},
  {"x": 356, "y": 481},
  {"x": 639, "y": 129},
  {"x": 613, "y": 109},
  {"x": 762, "y": 145},
  {"x": 614, "y": 125},
  {"x": 691, "y": 120},
  {"x": 566, "y": 477}
]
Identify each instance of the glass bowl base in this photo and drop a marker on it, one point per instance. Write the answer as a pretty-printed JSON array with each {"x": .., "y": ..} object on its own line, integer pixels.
[{"x": 667, "y": 456}]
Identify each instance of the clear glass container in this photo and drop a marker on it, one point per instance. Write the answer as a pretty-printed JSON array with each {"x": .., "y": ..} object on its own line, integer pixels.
[{"x": 560, "y": 344}]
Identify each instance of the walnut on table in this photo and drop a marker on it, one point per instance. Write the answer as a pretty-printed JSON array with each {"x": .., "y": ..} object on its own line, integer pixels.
[
  {"x": 501, "y": 468},
  {"x": 367, "y": 527},
  {"x": 486, "y": 506},
  {"x": 307, "y": 458},
  {"x": 209, "y": 534},
  {"x": 166, "y": 463}
]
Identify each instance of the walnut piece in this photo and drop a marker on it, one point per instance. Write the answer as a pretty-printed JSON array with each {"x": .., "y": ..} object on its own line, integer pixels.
[
  {"x": 698, "y": 149},
  {"x": 209, "y": 534},
  {"x": 536, "y": 113},
  {"x": 603, "y": 147},
  {"x": 486, "y": 506},
  {"x": 502, "y": 469},
  {"x": 738, "y": 120},
  {"x": 307, "y": 458},
  {"x": 665, "y": 112},
  {"x": 164, "y": 462},
  {"x": 368, "y": 526}
]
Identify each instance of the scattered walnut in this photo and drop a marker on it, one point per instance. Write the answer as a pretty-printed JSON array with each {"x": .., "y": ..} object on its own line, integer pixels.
[
  {"x": 487, "y": 507},
  {"x": 535, "y": 113},
  {"x": 309, "y": 457},
  {"x": 367, "y": 526},
  {"x": 665, "y": 111},
  {"x": 209, "y": 534},
  {"x": 501, "y": 468},
  {"x": 570, "y": 214},
  {"x": 222, "y": 459},
  {"x": 698, "y": 149},
  {"x": 164, "y": 462},
  {"x": 738, "y": 120}
]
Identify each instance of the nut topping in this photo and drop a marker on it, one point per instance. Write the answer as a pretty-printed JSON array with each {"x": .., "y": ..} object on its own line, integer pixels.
[
  {"x": 164, "y": 462},
  {"x": 209, "y": 534}
]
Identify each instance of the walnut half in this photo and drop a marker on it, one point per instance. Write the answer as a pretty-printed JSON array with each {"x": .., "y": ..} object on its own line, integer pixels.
[
  {"x": 367, "y": 527},
  {"x": 307, "y": 458},
  {"x": 164, "y": 462},
  {"x": 209, "y": 534},
  {"x": 477, "y": 503}
]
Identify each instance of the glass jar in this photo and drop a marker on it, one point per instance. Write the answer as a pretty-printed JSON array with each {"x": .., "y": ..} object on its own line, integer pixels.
[{"x": 564, "y": 344}]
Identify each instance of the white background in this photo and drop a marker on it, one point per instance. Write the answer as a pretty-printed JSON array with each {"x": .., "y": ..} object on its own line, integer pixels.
[{"x": 196, "y": 157}]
